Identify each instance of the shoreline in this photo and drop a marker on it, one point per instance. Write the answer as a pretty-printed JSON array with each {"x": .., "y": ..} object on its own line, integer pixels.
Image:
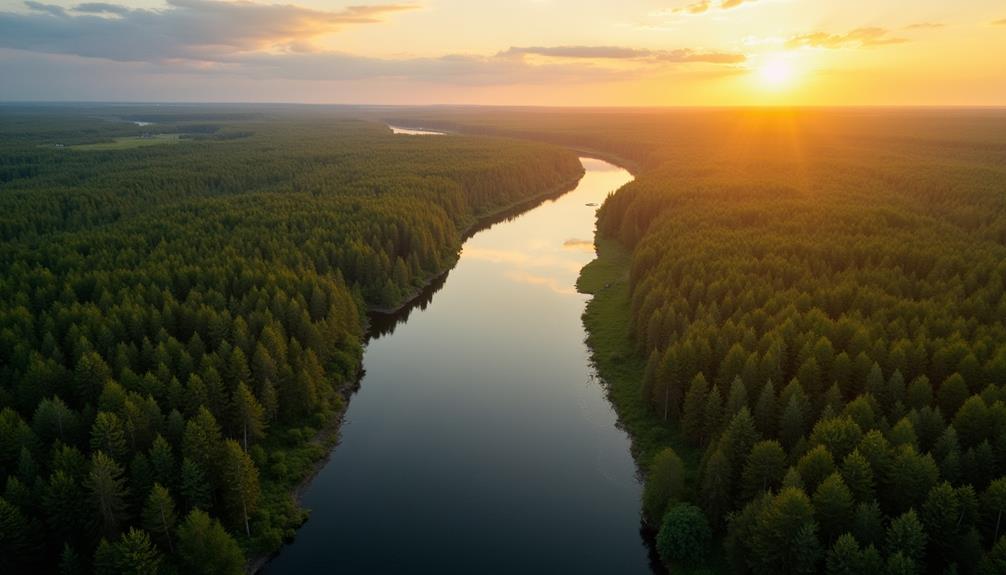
[{"x": 328, "y": 436}]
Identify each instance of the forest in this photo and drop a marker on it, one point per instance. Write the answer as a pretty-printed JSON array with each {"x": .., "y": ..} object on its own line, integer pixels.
[
  {"x": 804, "y": 330},
  {"x": 179, "y": 323}
]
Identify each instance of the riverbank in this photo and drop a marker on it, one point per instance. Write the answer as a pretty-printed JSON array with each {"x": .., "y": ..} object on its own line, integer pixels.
[
  {"x": 606, "y": 319},
  {"x": 479, "y": 223},
  {"x": 320, "y": 448}
]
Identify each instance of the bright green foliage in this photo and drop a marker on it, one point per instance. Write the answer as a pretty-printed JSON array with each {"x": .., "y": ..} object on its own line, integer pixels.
[
  {"x": 684, "y": 535},
  {"x": 205, "y": 547},
  {"x": 665, "y": 482}
]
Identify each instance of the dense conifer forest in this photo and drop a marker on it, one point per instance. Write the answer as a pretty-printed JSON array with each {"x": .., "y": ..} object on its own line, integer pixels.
[
  {"x": 179, "y": 316},
  {"x": 813, "y": 302}
]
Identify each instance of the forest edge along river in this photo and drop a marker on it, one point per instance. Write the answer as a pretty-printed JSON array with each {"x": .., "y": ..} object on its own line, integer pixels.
[{"x": 479, "y": 437}]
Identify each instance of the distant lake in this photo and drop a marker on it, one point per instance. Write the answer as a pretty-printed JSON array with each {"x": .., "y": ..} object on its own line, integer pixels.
[
  {"x": 414, "y": 131},
  {"x": 481, "y": 440}
]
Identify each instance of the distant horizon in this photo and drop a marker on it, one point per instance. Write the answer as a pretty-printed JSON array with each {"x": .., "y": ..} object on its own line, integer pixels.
[{"x": 516, "y": 106}]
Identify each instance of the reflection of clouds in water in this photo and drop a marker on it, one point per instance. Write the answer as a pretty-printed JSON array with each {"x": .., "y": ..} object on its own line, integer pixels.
[
  {"x": 532, "y": 279},
  {"x": 520, "y": 259},
  {"x": 579, "y": 245}
]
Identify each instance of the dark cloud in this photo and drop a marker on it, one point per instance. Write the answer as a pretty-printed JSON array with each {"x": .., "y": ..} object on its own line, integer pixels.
[
  {"x": 207, "y": 30},
  {"x": 624, "y": 53},
  {"x": 858, "y": 38}
]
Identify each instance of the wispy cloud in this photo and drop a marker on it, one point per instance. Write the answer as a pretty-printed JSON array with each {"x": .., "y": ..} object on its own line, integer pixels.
[
  {"x": 858, "y": 38},
  {"x": 1000, "y": 22},
  {"x": 207, "y": 30},
  {"x": 925, "y": 26},
  {"x": 703, "y": 6},
  {"x": 681, "y": 55}
]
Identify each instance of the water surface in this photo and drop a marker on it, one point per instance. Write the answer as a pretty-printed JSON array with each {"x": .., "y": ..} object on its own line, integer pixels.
[
  {"x": 480, "y": 440},
  {"x": 414, "y": 131}
]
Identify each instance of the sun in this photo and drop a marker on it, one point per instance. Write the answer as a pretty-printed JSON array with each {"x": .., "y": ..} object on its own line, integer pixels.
[{"x": 776, "y": 73}]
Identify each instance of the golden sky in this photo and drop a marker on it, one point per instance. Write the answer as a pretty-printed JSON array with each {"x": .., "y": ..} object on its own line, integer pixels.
[{"x": 533, "y": 52}]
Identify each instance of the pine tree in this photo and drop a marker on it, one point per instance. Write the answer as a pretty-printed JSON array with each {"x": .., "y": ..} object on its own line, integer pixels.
[
  {"x": 906, "y": 536},
  {"x": 108, "y": 435},
  {"x": 764, "y": 469},
  {"x": 766, "y": 410},
  {"x": 241, "y": 484},
  {"x": 858, "y": 476},
  {"x": 159, "y": 515},
  {"x": 108, "y": 492},
  {"x": 845, "y": 557},
  {"x": 248, "y": 414},
  {"x": 833, "y": 507},
  {"x": 694, "y": 410},
  {"x": 665, "y": 483},
  {"x": 205, "y": 547},
  {"x": 195, "y": 487}
]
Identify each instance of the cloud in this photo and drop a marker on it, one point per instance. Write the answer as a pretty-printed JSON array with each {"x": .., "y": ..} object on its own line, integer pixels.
[
  {"x": 1000, "y": 22},
  {"x": 101, "y": 8},
  {"x": 251, "y": 41},
  {"x": 925, "y": 26},
  {"x": 47, "y": 8},
  {"x": 623, "y": 53},
  {"x": 206, "y": 30},
  {"x": 702, "y": 6},
  {"x": 858, "y": 38}
]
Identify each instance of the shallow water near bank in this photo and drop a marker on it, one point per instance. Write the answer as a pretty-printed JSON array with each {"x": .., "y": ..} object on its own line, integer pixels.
[{"x": 480, "y": 439}]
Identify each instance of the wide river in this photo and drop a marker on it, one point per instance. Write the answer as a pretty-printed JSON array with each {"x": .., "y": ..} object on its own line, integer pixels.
[{"x": 481, "y": 440}]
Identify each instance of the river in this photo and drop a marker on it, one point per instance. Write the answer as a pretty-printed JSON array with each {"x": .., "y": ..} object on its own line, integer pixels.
[{"x": 480, "y": 439}]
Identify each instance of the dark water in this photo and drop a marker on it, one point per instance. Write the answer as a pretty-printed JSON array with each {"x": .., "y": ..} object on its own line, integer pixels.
[{"x": 479, "y": 440}]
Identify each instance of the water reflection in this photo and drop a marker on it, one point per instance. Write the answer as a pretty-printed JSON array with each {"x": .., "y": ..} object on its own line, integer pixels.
[
  {"x": 479, "y": 440},
  {"x": 414, "y": 131}
]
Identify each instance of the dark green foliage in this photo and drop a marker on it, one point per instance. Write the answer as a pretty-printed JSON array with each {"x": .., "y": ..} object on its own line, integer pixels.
[
  {"x": 665, "y": 484},
  {"x": 844, "y": 557},
  {"x": 863, "y": 273},
  {"x": 205, "y": 547},
  {"x": 159, "y": 303},
  {"x": 785, "y": 538},
  {"x": 684, "y": 535}
]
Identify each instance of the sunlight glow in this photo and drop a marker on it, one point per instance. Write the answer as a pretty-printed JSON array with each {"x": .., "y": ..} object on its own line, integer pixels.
[{"x": 776, "y": 73}]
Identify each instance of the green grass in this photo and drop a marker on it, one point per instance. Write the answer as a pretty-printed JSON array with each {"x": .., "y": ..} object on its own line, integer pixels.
[
  {"x": 621, "y": 367},
  {"x": 127, "y": 142},
  {"x": 615, "y": 356}
]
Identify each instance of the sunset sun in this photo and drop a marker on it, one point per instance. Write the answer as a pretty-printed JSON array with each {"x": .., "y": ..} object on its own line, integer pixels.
[{"x": 776, "y": 73}]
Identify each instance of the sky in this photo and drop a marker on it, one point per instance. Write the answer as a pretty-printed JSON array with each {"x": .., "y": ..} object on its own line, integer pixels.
[{"x": 508, "y": 52}]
